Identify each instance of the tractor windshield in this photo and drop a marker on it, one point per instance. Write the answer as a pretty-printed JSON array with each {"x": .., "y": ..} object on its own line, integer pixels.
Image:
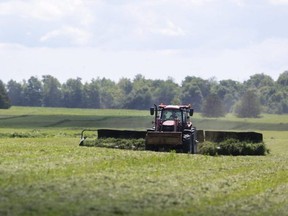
[{"x": 171, "y": 114}]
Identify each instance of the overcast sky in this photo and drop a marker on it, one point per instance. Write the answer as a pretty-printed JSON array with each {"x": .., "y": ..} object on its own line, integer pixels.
[{"x": 225, "y": 39}]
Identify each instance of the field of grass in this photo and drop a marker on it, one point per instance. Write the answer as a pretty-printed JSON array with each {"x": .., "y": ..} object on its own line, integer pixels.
[
  {"x": 43, "y": 171},
  {"x": 36, "y": 118}
]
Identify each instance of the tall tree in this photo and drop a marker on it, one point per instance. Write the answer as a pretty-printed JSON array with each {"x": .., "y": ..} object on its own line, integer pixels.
[
  {"x": 283, "y": 88},
  {"x": 125, "y": 87},
  {"x": 33, "y": 92},
  {"x": 52, "y": 94},
  {"x": 15, "y": 93},
  {"x": 258, "y": 81},
  {"x": 229, "y": 91},
  {"x": 109, "y": 93},
  {"x": 166, "y": 92},
  {"x": 265, "y": 87},
  {"x": 213, "y": 106},
  {"x": 4, "y": 99},
  {"x": 249, "y": 105},
  {"x": 91, "y": 97},
  {"x": 140, "y": 97},
  {"x": 283, "y": 79},
  {"x": 194, "y": 90},
  {"x": 73, "y": 93}
]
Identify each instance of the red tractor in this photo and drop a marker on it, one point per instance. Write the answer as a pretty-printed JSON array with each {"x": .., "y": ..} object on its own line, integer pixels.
[{"x": 172, "y": 129}]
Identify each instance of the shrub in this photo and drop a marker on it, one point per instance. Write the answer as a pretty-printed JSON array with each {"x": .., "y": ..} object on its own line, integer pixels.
[
  {"x": 233, "y": 147},
  {"x": 208, "y": 148}
]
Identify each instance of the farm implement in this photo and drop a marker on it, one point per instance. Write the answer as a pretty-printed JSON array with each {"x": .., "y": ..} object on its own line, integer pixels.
[{"x": 173, "y": 130}]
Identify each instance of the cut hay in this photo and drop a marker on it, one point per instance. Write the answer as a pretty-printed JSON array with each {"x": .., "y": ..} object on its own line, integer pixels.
[{"x": 233, "y": 147}]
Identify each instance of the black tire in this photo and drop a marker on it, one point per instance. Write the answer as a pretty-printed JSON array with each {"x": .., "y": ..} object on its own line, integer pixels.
[
  {"x": 187, "y": 144},
  {"x": 193, "y": 146},
  {"x": 190, "y": 143}
]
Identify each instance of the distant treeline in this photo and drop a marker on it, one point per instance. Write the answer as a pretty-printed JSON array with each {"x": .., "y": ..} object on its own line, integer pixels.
[{"x": 141, "y": 93}]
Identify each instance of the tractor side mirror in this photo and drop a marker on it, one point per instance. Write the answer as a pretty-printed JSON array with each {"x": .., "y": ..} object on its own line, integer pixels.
[
  {"x": 191, "y": 111},
  {"x": 152, "y": 111}
]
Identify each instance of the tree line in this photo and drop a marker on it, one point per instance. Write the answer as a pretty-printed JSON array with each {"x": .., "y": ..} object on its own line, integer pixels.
[{"x": 260, "y": 93}]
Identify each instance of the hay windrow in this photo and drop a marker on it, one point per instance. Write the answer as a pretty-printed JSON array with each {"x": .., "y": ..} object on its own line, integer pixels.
[{"x": 228, "y": 147}]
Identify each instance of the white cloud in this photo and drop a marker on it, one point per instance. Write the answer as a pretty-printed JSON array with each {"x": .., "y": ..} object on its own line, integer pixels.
[
  {"x": 75, "y": 35},
  {"x": 11, "y": 46},
  {"x": 272, "y": 54},
  {"x": 195, "y": 2},
  {"x": 278, "y": 2},
  {"x": 226, "y": 39},
  {"x": 45, "y": 10},
  {"x": 268, "y": 57},
  {"x": 170, "y": 30}
]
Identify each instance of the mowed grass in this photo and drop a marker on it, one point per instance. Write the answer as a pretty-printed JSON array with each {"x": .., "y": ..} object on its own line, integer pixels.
[
  {"x": 49, "y": 174},
  {"x": 57, "y": 177}
]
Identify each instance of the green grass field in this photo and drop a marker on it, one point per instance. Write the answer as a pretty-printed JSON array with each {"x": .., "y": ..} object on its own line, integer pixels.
[{"x": 43, "y": 171}]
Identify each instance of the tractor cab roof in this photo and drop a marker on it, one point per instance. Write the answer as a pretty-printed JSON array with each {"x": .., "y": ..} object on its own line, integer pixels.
[{"x": 176, "y": 107}]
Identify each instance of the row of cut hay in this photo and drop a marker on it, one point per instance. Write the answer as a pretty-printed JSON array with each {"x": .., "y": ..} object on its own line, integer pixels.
[
  {"x": 233, "y": 147},
  {"x": 202, "y": 135},
  {"x": 118, "y": 143},
  {"x": 228, "y": 147}
]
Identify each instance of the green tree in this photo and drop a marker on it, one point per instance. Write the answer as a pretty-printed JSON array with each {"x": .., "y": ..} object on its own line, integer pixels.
[
  {"x": 213, "y": 106},
  {"x": 283, "y": 79},
  {"x": 282, "y": 83},
  {"x": 194, "y": 90},
  {"x": 258, "y": 81},
  {"x": 33, "y": 92},
  {"x": 166, "y": 92},
  {"x": 272, "y": 94},
  {"x": 249, "y": 105},
  {"x": 52, "y": 94},
  {"x": 140, "y": 97},
  {"x": 4, "y": 99},
  {"x": 91, "y": 98},
  {"x": 229, "y": 91},
  {"x": 125, "y": 87},
  {"x": 15, "y": 93},
  {"x": 73, "y": 93},
  {"x": 109, "y": 94},
  {"x": 191, "y": 93},
  {"x": 273, "y": 99}
]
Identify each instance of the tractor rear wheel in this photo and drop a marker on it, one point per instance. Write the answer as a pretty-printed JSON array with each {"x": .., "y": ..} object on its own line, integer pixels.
[{"x": 190, "y": 143}]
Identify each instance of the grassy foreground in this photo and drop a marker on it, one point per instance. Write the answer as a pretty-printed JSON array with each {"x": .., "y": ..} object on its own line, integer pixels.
[
  {"x": 57, "y": 177},
  {"x": 47, "y": 173}
]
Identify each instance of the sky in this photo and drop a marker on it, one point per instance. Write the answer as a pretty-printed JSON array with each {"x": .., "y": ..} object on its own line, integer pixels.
[{"x": 159, "y": 39}]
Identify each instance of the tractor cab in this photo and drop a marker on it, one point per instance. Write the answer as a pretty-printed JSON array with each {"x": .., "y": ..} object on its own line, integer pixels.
[
  {"x": 172, "y": 117},
  {"x": 171, "y": 114}
]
